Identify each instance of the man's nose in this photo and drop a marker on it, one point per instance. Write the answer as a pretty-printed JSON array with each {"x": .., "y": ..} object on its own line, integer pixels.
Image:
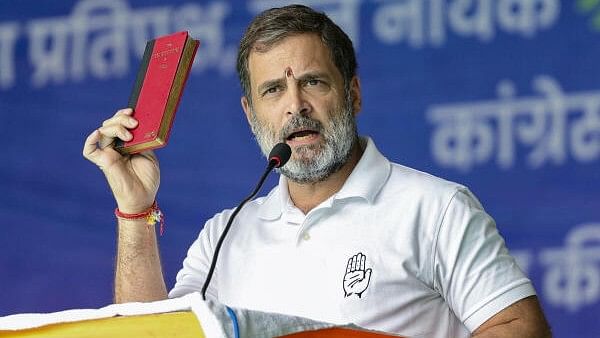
[{"x": 297, "y": 100}]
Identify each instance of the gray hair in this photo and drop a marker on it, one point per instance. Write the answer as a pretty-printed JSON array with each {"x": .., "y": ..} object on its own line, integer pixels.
[{"x": 273, "y": 25}]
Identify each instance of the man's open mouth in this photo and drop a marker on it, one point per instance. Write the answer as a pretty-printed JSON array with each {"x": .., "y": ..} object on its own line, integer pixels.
[{"x": 302, "y": 135}]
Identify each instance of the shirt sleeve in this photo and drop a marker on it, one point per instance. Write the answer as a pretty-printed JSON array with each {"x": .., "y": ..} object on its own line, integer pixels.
[
  {"x": 473, "y": 270},
  {"x": 192, "y": 275},
  {"x": 196, "y": 264}
]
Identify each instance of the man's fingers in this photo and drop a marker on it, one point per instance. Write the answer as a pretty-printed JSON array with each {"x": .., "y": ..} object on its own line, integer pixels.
[
  {"x": 115, "y": 127},
  {"x": 110, "y": 132},
  {"x": 124, "y": 111},
  {"x": 121, "y": 119},
  {"x": 91, "y": 144}
]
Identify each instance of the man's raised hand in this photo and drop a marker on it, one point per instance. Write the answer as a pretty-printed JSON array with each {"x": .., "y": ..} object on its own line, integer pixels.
[{"x": 133, "y": 179}]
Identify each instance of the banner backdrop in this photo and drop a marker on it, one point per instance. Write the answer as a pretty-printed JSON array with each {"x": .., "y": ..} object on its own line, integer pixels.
[{"x": 502, "y": 96}]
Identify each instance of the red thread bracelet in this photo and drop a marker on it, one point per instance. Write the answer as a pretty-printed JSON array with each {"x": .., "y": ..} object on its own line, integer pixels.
[{"x": 152, "y": 216}]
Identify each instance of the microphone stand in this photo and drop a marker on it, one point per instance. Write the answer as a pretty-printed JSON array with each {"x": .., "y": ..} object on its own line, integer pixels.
[{"x": 278, "y": 157}]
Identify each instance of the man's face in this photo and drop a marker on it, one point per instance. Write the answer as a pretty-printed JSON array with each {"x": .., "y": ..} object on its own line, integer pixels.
[{"x": 298, "y": 97}]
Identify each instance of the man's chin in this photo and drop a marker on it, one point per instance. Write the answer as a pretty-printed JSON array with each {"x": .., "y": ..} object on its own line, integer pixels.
[
  {"x": 308, "y": 170},
  {"x": 307, "y": 152},
  {"x": 307, "y": 175}
]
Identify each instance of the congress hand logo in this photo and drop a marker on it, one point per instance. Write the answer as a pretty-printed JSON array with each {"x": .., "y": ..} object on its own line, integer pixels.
[{"x": 357, "y": 277}]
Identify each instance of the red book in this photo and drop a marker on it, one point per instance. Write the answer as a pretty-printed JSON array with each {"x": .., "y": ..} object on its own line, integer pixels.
[{"x": 158, "y": 87}]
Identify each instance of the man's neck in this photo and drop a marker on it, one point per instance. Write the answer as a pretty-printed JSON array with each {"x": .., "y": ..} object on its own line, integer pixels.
[{"x": 307, "y": 196}]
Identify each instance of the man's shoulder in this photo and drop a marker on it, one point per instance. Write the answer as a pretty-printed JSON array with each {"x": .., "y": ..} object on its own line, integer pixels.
[
  {"x": 424, "y": 192},
  {"x": 416, "y": 181},
  {"x": 252, "y": 207}
]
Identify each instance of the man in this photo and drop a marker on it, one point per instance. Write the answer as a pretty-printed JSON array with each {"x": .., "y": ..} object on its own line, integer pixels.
[{"x": 346, "y": 236}]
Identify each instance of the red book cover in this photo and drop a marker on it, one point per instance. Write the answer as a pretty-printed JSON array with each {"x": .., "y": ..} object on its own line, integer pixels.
[{"x": 157, "y": 91}]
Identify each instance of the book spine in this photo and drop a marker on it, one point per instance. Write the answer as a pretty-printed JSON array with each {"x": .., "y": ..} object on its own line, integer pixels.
[{"x": 139, "y": 80}]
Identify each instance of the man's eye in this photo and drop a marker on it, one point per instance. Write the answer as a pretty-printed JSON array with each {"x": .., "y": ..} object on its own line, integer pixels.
[
  {"x": 316, "y": 84},
  {"x": 271, "y": 90}
]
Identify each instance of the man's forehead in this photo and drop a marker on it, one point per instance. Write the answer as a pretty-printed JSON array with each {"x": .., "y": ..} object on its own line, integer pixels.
[{"x": 292, "y": 56}]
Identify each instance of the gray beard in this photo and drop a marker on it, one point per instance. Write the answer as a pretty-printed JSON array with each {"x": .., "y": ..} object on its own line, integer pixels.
[{"x": 312, "y": 163}]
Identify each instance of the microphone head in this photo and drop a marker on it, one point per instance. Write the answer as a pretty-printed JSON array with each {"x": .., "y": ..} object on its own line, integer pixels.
[{"x": 280, "y": 154}]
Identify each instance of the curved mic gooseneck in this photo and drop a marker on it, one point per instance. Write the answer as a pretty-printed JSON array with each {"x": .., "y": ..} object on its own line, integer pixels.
[{"x": 278, "y": 157}]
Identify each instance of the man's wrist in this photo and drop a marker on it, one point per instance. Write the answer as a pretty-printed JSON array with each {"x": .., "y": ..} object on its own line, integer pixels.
[{"x": 150, "y": 216}]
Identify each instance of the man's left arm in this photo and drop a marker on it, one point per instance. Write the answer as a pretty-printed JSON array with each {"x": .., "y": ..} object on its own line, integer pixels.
[
  {"x": 521, "y": 319},
  {"x": 479, "y": 279}
]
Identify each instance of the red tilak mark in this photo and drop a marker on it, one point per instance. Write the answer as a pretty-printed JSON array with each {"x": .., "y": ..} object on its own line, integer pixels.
[{"x": 289, "y": 72}]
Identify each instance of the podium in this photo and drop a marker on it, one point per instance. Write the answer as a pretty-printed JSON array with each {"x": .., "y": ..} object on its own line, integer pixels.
[
  {"x": 187, "y": 316},
  {"x": 167, "y": 325}
]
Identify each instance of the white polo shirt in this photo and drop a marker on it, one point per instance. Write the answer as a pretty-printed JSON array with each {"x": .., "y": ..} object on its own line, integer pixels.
[{"x": 395, "y": 250}]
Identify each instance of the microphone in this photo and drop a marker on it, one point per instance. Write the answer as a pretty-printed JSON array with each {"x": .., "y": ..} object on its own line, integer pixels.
[
  {"x": 280, "y": 154},
  {"x": 278, "y": 157}
]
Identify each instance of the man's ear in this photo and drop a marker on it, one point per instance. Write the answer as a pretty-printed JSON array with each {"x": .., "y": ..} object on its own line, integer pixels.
[
  {"x": 356, "y": 96},
  {"x": 247, "y": 109}
]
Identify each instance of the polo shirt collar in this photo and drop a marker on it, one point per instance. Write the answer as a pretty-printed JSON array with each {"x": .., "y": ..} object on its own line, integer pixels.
[
  {"x": 369, "y": 175},
  {"x": 365, "y": 181}
]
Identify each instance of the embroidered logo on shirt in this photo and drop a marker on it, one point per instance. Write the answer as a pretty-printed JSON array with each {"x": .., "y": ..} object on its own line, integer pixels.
[{"x": 357, "y": 277}]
